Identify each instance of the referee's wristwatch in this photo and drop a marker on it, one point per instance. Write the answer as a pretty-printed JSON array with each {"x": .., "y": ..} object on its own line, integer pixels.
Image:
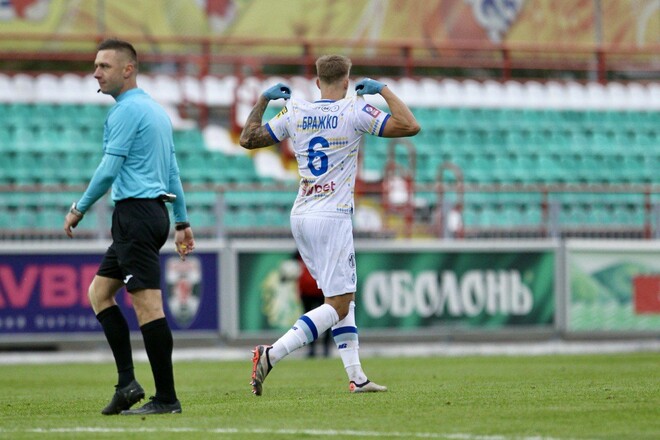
[{"x": 75, "y": 211}]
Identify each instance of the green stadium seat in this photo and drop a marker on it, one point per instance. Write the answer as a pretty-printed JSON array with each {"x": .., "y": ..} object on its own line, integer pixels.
[
  {"x": 17, "y": 115},
  {"x": 6, "y": 219},
  {"x": 74, "y": 169},
  {"x": 202, "y": 217},
  {"x": 73, "y": 138},
  {"x": 50, "y": 218},
  {"x": 240, "y": 169},
  {"x": 25, "y": 139},
  {"x": 21, "y": 167},
  {"x": 189, "y": 140},
  {"x": 25, "y": 219},
  {"x": 4, "y": 114},
  {"x": 375, "y": 162},
  {"x": 272, "y": 216},
  {"x": 6, "y": 139},
  {"x": 51, "y": 143},
  {"x": 241, "y": 218},
  {"x": 197, "y": 166},
  {"x": 88, "y": 115},
  {"x": 202, "y": 198},
  {"x": 48, "y": 168}
]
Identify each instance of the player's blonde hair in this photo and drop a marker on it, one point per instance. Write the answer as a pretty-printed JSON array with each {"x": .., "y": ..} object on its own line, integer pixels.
[{"x": 333, "y": 68}]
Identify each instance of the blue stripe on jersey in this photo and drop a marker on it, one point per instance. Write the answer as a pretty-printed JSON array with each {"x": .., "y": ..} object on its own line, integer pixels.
[
  {"x": 271, "y": 132},
  {"x": 382, "y": 126},
  {"x": 311, "y": 325}
]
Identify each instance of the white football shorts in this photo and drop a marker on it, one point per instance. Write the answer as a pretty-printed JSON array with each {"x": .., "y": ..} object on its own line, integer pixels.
[{"x": 325, "y": 243}]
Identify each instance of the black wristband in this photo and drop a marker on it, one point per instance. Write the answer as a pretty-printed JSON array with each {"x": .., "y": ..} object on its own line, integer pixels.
[{"x": 180, "y": 226}]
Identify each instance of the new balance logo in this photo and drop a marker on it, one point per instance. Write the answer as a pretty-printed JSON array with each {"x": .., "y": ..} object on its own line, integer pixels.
[
  {"x": 340, "y": 346},
  {"x": 128, "y": 277}
]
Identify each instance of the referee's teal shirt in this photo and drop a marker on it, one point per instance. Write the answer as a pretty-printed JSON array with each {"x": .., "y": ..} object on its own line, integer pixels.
[{"x": 138, "y": 154}]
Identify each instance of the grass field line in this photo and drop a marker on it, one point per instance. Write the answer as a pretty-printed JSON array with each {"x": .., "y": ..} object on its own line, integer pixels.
[
  {"x": 366, "y": 350},
  {"x": 236, "y": 431}
]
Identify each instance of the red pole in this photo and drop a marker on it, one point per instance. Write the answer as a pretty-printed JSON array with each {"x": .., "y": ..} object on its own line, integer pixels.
[
  {"x": 647, "y": 213},
  {"x": 601, "y": 65}
]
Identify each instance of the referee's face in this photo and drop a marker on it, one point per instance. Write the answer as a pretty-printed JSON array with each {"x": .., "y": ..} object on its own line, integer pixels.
[{"x": 112, "y": 71}]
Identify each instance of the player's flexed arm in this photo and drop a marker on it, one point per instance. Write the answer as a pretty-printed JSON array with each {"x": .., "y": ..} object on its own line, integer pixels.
[
  {"x": 254, "y": 134},
  {"x": 402, "y": 122}
]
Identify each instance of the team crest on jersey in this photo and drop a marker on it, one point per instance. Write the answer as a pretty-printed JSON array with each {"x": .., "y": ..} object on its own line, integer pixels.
[{"x": 373, "y": 111}]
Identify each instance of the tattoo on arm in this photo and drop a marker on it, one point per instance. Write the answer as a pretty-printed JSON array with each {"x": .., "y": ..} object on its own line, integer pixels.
[{"x": 255, "y": 135}]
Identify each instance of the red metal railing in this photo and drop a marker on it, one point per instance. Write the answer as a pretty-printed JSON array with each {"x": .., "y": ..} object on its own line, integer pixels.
[{"x": 201, "y": 56}]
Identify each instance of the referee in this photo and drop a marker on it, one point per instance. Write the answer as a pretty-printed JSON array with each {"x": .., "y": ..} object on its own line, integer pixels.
[{"x": 140, "y": 165}]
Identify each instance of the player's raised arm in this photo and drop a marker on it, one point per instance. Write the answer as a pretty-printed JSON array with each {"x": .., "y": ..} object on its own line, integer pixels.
[
  {"x": 254, "y": 134},
  {"x": 402, "y": 122}
]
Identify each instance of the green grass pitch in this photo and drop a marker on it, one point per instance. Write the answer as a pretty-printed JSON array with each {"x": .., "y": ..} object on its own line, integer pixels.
[{"x": 562, "y": 397}]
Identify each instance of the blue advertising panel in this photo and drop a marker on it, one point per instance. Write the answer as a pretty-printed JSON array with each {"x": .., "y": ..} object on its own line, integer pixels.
[{"x": 47, "y": 293}]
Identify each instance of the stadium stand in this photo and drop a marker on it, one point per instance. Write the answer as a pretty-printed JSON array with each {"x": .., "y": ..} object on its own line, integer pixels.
[{"x": 497, "y": 133}]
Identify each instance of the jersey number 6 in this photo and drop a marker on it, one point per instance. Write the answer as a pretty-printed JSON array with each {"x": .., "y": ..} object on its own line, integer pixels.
[{"x": 312, "y": 155}]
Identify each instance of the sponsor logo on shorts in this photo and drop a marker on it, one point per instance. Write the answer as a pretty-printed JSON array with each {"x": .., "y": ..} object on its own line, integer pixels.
[
  {"x": 373, "y": 111},
  {"x": 128, "y": 277},
  {"x": 351, "y": 260}
]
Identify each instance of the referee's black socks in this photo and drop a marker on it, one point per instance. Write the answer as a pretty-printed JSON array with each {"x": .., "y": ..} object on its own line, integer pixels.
[
  {"x": 118, "y": 335},
  {"x": 158, "y": 344}
]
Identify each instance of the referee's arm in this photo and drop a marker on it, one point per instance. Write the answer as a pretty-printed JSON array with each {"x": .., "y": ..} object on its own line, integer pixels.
[
  {"x": 175, "y": 187},
  {"x": 101, "y": 181}
]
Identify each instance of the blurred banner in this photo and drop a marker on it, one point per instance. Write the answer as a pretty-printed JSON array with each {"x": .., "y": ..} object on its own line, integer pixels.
[
  {"x": 613, "y": 287},
  {"x": 425, "y": 23},
  {"x": 405, "y": 289},
  {"x": 47, "y": 293}
]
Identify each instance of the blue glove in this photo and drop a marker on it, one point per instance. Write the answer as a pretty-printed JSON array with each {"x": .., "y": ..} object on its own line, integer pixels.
[
  {"x": 278, "y": 91},
  {"x": 368, "y": 86}
]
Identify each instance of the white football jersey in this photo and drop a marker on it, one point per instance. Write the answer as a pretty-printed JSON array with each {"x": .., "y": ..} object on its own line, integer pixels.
[{"x": 326, "y": 138}]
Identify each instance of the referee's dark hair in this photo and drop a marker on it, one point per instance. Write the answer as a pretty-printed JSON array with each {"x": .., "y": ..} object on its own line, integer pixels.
[{"x": 120, "y": 45}]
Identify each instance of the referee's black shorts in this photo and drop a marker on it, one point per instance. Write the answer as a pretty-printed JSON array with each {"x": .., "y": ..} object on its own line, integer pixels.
[{"x": 140, "y": 227}]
